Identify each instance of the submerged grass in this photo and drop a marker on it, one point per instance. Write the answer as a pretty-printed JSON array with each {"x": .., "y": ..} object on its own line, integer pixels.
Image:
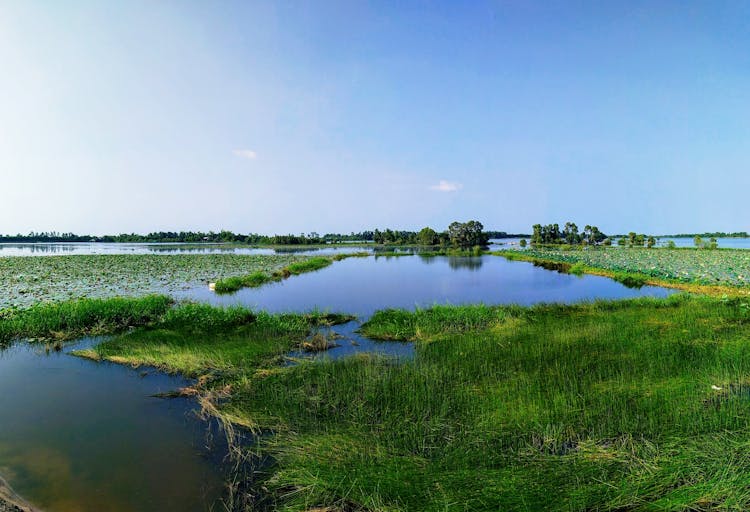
[{"x": 630, "y": 405}]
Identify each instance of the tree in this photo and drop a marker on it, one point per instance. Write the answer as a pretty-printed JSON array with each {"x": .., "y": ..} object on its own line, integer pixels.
[
  {"x": 522, "y": 243},
  {"x": 698, "y": 241},
  {"x": 651, "y": 242},
  {"x": 592, "y": 235},
  {"x": 570, "y": 233},
  {"x": 465, "y": 235},
  {"x": 427, "y": 236},
  {"x": 622, "y": 242},
  {"x": 536, "y": 236}
]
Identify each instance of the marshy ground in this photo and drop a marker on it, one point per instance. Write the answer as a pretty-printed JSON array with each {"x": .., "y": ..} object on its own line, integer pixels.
[{"x": 638, "y": 404}]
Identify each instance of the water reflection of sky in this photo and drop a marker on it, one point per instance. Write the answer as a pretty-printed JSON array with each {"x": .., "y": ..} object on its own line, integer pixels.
[
  {"x": 363, "y": 285},
  {"x": 83, "y": 436}
]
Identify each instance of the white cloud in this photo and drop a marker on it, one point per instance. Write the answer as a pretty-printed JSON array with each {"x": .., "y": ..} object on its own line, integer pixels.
[
  {"x": 249, "y": 154},
  {"x": 447, "y": 186}
]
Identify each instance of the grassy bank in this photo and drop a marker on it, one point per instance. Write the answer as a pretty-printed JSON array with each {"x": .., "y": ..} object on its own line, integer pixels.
[
  {"x": 256, "y": 279},
  {"x": 28, "y": 280},
  {"x": 717, "y": 272},
  {"x": 604, "y": 406},
  {"x": 76, "y": 318}
]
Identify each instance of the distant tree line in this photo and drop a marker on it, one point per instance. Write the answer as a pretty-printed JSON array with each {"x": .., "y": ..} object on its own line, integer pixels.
[
  {"x": 458, "y": 234},
  {"x": 717, "y": 234},
  {"x": 551, "y": 234}
]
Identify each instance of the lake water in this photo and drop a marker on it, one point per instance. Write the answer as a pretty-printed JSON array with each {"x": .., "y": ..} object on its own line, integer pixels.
[
  {"x": 77, "y": 435},
  {"x": 724, "y": 243},
  {"x": 60, "y": 249},
  {"x": 80, "y": 436},
  {"x": 361, "y": 286},
  {"x": 82, "y": 248}
]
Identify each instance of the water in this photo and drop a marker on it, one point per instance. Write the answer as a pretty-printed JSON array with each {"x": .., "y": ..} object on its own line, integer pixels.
[
  {"x": 361, "y": 286},
  {"x": 83, "y": 248},
  {"x": 62, "y": 248},
  {"x": 81, "y": 436},
  {"x": 506, "y": 243},
  {"x": 724, "y": 243}
]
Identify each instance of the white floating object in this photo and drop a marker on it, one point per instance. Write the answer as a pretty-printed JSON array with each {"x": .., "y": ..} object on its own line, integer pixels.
[
  {"x": 715, "y": 387},
  {"x": 211, "y": 286}
]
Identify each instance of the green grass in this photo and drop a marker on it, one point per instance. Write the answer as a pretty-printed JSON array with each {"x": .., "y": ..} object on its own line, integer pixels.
[
  {"x": 603, "y": 406},
  {"x": 309, "y": 265},
  {"x": 257, "y": 279},
  {"x": 225, "y": 344},
  {"x": 232, "y": 284},
  {"x": 67, "y": 320},
  {"x": 32, "y": 279},
  {"x": 360, "y": 254}
]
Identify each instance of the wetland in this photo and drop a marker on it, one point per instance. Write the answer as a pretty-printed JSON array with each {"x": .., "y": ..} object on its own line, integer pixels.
[{"x": 458, "y": 383}]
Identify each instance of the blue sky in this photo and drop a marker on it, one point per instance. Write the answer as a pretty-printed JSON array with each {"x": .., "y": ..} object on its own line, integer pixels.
[{"x": 339, "y": 116}]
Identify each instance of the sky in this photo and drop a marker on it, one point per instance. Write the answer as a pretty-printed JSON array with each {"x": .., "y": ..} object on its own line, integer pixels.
[{"x": 299, "y": 116}]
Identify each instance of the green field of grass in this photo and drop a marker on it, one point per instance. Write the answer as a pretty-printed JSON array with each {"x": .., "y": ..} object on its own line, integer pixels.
[{"x": 631, "y": 405}]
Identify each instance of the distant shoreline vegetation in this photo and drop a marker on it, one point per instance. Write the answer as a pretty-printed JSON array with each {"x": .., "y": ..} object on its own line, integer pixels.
[
  {"x": 427, "y": 236},
  {"x": 569, "y": 235},
  {"x": 718, "y": 234}
]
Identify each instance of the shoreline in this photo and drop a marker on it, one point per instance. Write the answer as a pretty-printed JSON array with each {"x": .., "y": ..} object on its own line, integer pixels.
[{"x": 10, "y": 501}]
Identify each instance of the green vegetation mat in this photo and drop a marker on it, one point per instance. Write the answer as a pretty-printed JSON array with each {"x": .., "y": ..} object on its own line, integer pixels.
[
  {"x": 32, "y": 279},
  {"x": 630, "y": 405},
  {"x": 259, "y": 278},
  {"x": 722, "y": 267}
]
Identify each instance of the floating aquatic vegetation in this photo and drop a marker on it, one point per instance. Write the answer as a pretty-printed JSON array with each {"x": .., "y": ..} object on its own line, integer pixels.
[
  {"x": 28, "y": 280},
  {"x": 722, "y": 267}
]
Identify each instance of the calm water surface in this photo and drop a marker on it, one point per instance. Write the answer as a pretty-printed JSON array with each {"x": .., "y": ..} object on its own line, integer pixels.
[
  {"x": 363, "y": 285},
  {"x": 83, "y": 248},
  {"x": 59, "y": 249},
  {"x": 81, "y": 436}
]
